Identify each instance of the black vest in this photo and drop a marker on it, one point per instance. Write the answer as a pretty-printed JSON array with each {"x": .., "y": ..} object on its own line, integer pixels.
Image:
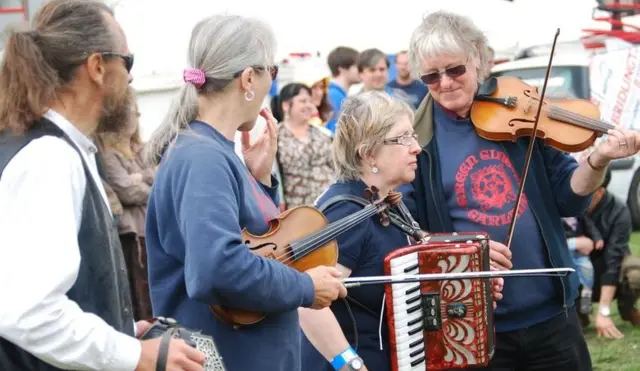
[{"x": 102, "y": 286}]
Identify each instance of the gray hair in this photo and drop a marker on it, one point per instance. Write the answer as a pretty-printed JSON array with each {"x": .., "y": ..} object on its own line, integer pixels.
[
  {"x": 365, "y": 119},
  {"x": 221, "y": 46},
  {"x": 444, "y": 33}
]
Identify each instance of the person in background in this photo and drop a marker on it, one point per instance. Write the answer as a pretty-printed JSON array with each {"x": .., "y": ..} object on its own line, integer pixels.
[
  {"x": 304, "y": 151},
  {"x": 65, "y": 294},
  {"x": 613, "y": 219},
  {"x": 344, "y": 71},
  {"x": 131, "y": 180},
  {"x": 466, "y": 183},
  {"x": 373, "y": 66},
  {"x": 204, "y": 196},
  {"x": 415, "y": 89},
  {"x": 320, "y": 99},
  {"x": 582, "y": 237},
  {"x": 114, "y": 201}
]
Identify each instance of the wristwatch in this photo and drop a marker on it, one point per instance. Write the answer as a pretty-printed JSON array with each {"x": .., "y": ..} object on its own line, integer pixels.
[
  {"x": 604, "y": 311},
  {"x": 355, "y": 364}
]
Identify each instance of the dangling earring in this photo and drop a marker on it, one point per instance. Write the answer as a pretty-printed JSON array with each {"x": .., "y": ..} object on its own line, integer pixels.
[
  {"x": 249, "y": 95},
  {"x": 374, "y": 169}
]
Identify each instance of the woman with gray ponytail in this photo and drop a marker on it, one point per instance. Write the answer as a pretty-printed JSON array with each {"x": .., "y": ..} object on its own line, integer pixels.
[{"x": 204, "y": 196}]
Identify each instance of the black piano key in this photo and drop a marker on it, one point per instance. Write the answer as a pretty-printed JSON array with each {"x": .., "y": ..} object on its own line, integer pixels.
[
  {"x": 410, "y": 268},
  {"x": 416, "y": 352},
  {"x": 411, "y": 291},
  {"x": 416, "y": 343},
  {"x": 413, "y": 299},
  {"x": 414, "y": 321},
  {"x": 414, "y": 308},
  {"x": 417, "y": 362},
  {"x": 416, "y": 330}
]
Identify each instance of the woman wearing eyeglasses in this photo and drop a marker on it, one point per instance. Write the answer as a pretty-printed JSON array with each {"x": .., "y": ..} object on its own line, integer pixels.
[
  {"x": 467, "y": 183},
  {"x": 374, "y": 145}
]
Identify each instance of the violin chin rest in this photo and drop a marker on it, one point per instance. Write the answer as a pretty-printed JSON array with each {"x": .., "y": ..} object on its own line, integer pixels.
[{"x": 488, "y": 88}]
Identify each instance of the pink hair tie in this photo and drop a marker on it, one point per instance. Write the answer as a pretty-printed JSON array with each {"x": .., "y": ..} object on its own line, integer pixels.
[{"x": 194, "y": 76}]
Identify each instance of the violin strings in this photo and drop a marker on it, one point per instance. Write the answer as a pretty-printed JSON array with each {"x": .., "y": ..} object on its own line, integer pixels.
[
  {"x": 309, "y": 244},
  {"x": 580, "y": 119}
]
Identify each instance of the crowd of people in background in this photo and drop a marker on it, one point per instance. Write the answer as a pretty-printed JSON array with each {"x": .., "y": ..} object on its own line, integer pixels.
[{"x": 75, "y": 173}]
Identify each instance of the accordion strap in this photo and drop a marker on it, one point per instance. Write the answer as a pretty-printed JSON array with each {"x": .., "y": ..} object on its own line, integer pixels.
[
  {"x": 404, "y": 222},
  {"x": 163, "y": 353}
]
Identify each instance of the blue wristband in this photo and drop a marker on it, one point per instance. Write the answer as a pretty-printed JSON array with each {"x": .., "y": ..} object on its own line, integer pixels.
[
  {"x": 341, "y": 359},
  {"x": 572, "y": 243}
]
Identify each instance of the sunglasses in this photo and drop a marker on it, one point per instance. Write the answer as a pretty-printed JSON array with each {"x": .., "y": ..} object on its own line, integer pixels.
[
  {"x": 273, "y": 70},
  {"x": 128, "y": 59},
  {"x": 452, "y": 72}
]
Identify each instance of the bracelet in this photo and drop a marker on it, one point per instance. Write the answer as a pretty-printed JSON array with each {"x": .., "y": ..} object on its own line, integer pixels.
[
  {"x": 594, "y": 167},
  {"x": 572, "y": 243},
  {"x": 341, "y": 359}
]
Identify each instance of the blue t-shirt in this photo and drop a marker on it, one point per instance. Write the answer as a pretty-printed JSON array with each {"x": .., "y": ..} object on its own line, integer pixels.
[
  {"x": 416, "y": 91},
  {"x": 481, "y": 186},
  {"x": 335, "y": 94},
  {"x": 202, "y": 198},
  {"x": 361, "y": 249}
]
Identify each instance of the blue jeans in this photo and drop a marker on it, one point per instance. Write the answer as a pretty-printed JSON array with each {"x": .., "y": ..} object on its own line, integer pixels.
[{"x": 585, "y": 268}]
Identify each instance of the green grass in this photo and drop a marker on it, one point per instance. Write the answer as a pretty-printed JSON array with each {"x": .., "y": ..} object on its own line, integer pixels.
[{"x": 616, "y": 355}]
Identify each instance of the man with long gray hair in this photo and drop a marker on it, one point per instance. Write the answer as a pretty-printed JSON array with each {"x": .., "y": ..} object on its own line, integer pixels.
[
  {"x": 65, "y": 294},
  {"x": 467, "y": 183}
]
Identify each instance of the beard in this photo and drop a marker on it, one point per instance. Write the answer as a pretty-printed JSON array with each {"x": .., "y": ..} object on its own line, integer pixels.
[{"x": 116, "y": 111}]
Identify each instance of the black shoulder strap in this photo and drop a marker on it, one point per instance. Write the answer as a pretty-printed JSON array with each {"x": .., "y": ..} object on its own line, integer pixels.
[{"x": 341, "y": 198}]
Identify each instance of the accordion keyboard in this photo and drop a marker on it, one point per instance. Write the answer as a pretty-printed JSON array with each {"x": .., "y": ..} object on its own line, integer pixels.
[{"x": 408, "y": 316}]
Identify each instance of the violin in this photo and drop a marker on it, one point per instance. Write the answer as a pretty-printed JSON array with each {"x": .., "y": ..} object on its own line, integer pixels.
[
  {"x": 505, "y": 109},
  {"x": 302, "y": 238}
]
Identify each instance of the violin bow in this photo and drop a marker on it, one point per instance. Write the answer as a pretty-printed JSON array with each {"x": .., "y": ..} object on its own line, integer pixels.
[
  {"x": 410, "y": 278},
  {"x": 527, "y": 160}
]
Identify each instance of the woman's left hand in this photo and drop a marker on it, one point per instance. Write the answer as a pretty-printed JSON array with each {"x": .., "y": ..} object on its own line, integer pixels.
[
  {"x": 497, "y": 284},
  {"x": 259, "y": 157},
  {"x": 621, "y": 143}
]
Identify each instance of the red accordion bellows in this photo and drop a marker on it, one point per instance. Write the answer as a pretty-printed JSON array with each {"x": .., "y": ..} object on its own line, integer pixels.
[{"x": 441, "y": 325}]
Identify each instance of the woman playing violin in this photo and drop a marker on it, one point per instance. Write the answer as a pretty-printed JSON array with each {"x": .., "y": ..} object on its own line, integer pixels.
[
  {"x": 466, "y": 183},
  {"x": 374, "y": 145}
]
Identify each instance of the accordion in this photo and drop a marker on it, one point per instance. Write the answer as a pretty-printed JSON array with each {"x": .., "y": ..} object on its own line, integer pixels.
[
  {"x": 168, "y": 329},
  {"x": 440, "y": 325}
]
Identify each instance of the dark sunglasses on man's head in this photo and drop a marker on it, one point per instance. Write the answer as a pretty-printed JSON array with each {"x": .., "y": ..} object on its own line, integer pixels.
[
  {"x": 273, "y": 70},
  {"x": 128, "y": 59},
  {"x": 452, "y": 72}
]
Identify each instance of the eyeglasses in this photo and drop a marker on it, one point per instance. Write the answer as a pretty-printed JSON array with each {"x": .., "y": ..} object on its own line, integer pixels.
[
  {"x": 452, "y": 72},
  {"x": 273, "y": 70},
  {"x": 128, "y": 59},
  {"x": 404, "y": 140}
]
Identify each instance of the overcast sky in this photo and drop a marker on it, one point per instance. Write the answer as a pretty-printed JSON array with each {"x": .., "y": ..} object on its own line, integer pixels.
[{"x": 158, "y": 35}]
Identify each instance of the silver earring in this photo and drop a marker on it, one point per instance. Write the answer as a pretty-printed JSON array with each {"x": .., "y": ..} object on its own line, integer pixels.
[
  {"x": 249, "y": 95},
  {"x": 374, "y": 169}
]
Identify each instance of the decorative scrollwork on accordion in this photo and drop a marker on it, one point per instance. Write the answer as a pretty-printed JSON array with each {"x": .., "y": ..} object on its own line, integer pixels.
[{"x": 440, "y": 325}]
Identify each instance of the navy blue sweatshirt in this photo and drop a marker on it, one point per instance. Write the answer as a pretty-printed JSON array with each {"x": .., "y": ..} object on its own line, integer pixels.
[
  {"x": 202, "y": 198},
  {"x": 481, "y": 186}
]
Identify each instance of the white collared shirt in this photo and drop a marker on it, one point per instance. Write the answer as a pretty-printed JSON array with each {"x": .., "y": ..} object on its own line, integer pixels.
[{"x": 41, "y": 196}]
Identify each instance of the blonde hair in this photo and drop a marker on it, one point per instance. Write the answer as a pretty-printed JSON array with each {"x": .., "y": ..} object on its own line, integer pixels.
[
  {"x": 446, "y": 33},
  {"x": 365, "y": 119}
]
